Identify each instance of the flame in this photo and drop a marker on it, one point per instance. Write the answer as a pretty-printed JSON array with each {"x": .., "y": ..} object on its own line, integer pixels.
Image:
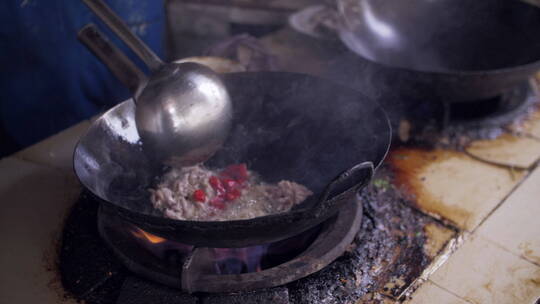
[{"x": 154, "y": 239}]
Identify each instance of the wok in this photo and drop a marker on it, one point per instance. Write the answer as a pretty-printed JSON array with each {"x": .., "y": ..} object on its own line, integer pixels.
[
  {"x": 446, "y": 50},
  {"x": 286, "y": 126}
]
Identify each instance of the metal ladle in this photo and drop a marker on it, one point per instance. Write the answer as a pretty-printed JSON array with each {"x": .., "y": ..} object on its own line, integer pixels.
[{"x": 183, "y": 110}]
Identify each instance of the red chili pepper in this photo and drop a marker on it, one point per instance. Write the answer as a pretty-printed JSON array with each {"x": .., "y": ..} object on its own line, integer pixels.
[
  {"x": 229, "y": 184},
  {"x": 237, "y": 172},
  {"x": 217, "y": 202},
  {"x": 216, "y": 184},
  {"x": 214, "y": 181},
  {"x": 233, "y": 194},
  {"x": 199, "y": 195}
]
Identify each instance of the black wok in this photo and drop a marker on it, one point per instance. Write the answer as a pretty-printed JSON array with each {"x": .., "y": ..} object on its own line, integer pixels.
[
  {"x": 286, "y": 126},
  {"x": 445, "y": 50}
]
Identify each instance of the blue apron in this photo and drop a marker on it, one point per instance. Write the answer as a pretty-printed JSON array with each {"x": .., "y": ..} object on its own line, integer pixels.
[{"x": 48, "y": 80}]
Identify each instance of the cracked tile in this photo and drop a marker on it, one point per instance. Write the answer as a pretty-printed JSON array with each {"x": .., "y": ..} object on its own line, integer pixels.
[{"x": 507, "y": 150}]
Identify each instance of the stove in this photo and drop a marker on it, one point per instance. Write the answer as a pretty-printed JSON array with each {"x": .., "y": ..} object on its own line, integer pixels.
[{"x": 377, "y": 243}]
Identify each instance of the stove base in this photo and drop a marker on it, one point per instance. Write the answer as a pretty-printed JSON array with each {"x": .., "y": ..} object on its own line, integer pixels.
[{"x": 194, "y": 270}]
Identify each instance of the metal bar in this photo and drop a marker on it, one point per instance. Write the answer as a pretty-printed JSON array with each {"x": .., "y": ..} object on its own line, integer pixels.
[
  {"x": 120, "y": 28},
  {"x": 117, "y": 62},
  {"x": 268, "y": 5}
]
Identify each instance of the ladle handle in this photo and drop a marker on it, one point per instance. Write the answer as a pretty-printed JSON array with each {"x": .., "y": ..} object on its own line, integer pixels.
[
  {"x": 346, "y": 185},
  {"x": 120, "y": 28},
  {"x": 119, "y": 64}
]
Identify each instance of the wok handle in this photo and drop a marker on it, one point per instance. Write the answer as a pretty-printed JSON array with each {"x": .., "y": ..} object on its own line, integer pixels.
[
  {"x": 117, "y": 62},
  {"x": 347, "y": 183},
  {"x": 120, "y": 28}
]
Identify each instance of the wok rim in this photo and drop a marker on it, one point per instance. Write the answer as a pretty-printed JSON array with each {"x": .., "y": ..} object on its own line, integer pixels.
[{"x": 532, "y": 67}]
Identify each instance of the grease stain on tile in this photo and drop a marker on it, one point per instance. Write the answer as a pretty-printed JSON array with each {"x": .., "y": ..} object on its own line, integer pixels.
[
  {"x": 452, "y": 185},
  {"x": 437, "y": 236}
]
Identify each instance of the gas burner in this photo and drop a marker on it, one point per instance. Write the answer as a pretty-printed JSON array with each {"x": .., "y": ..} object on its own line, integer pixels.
[
  {"x": 483, "y": 119},
  {"x": 201, "y": 269},
  {"x": 493, "y": 112},
  {"x": 393, "y": 238},
  {"x": 423, "y": 114}
]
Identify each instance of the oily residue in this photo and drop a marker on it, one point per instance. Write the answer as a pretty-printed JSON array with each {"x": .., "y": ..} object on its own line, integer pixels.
[
  {"x": 524, "y": 289},
  {"x": 437, "y": 237},
  {"x": 409, "y": 166}
]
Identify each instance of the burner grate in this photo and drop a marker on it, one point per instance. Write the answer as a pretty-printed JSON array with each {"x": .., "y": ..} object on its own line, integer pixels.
[
  {"x": 494, "y": 112},
  {"x": 197, "y": 270}
]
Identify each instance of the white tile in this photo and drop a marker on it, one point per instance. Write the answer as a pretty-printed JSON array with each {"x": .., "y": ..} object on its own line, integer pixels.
[
  {"x": 516, "y": 225},
  {"x": 57, "y": 150},
  {"x": 430, "y": 293},
  {"x": 35, "y": 200},
  {"x": 482, "y": 272}
]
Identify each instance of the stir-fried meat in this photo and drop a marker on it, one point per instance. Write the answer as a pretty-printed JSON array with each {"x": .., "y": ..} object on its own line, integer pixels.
[{"x": 197, "y": 193}]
